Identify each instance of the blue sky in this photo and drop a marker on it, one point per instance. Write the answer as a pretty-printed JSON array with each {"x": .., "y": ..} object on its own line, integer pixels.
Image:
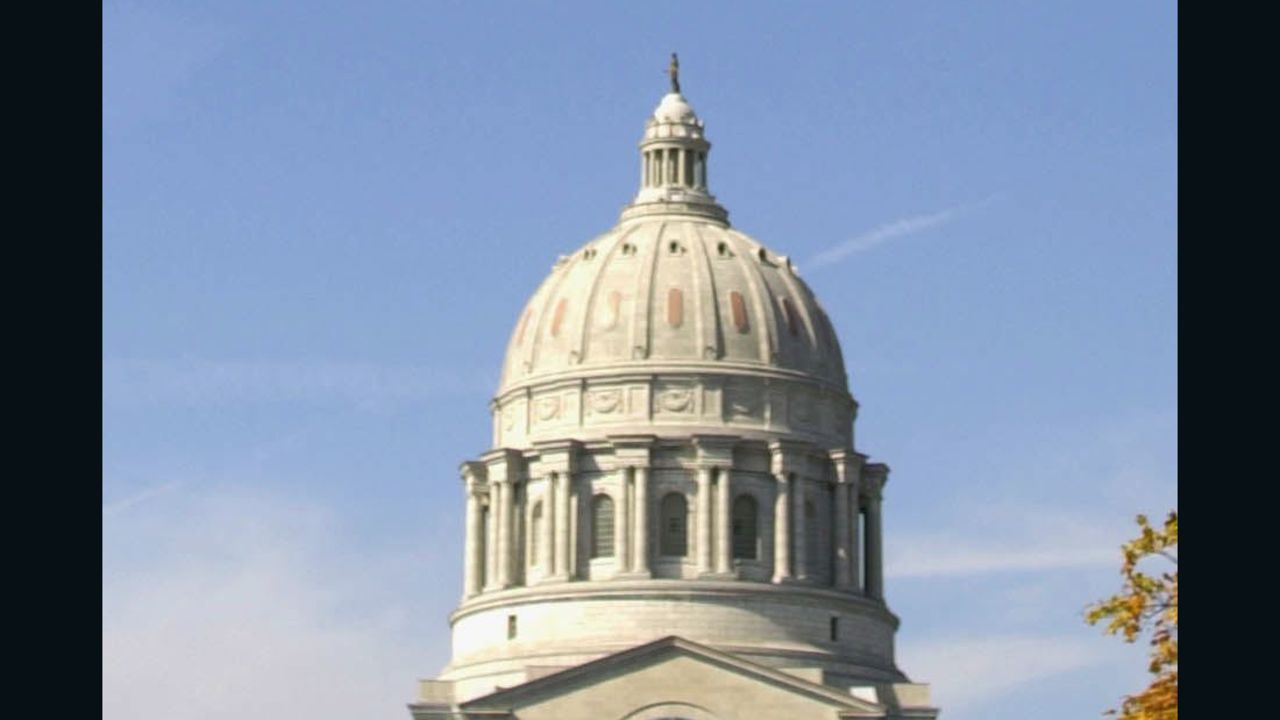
[{"x": 321, "y": 219}]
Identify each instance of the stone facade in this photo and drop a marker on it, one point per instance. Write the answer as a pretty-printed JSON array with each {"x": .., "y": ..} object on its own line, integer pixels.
[{"x": 673, "y": 500}]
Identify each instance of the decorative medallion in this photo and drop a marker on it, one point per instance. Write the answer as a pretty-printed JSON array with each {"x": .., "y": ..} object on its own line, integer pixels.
[
  {"x": 547, "y": 408},
  {"x": 605, "y": 401},
  {"x": 676, "y": 400}
]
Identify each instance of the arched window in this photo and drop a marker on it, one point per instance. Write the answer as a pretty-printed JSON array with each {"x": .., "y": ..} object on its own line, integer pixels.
[
  {"x": 744, "y": 527},
  {"x": 673, "y": 515},
  {"x": 810, "y": 536},
  {"x": 535, "y": 533},
  {"x": 602, "y": 526}
]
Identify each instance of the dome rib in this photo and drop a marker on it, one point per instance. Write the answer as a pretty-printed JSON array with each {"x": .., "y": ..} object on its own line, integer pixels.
[
  {"x": 768, "y": 343},
  {"x": 816, "y": 351},
  {"x": 641, "y": 330},
  {"x": 708, "y": 313},
  {"x": 560, "y": 273},
  {"x": 716, "y": 328},
  {"x": 605, "y": 260}
]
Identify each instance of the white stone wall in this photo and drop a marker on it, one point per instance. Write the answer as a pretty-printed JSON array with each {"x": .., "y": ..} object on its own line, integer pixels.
[{"x": 777, "y": 628}]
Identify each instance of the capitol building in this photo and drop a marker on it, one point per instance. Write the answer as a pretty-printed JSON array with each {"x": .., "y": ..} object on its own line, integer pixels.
[{"x": 674, "y": 521}]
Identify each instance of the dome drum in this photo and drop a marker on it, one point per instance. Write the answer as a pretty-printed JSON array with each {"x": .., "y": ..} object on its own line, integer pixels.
[{"x": 750, "y": 402}]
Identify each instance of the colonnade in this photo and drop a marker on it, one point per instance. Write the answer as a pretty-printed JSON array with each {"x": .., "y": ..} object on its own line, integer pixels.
[
  {"x": 674, "y": 166},
  {"x": 495, "y": 555}
]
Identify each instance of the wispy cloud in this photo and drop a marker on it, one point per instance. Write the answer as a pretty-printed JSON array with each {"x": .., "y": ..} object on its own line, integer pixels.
[
  {"x": 889, "y": 231},
  {"x": 119, "y": 506},
  {"x": 967, "y": 671},
  {"x": 1005, "y": 539},
  {"x": 201, "y": 381},
  {"x": 942, "y": 556},
  {"x": 237, "y": 604}
]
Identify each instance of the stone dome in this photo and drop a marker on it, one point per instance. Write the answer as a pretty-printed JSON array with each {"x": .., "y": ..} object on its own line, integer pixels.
[
  {"x": 674, "y": 108},
  {"x": 676, "y": 291},
  {"x": 673, "y": 293},
  {"x": 673, "y": 454}
]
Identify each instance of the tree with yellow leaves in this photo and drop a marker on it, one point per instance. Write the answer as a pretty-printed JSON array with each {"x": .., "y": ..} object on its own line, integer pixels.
[{"x": 1148, "y": 603}]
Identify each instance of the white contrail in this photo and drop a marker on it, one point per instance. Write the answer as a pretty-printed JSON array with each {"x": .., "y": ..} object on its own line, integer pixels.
[
  {"x": 888, "y": 231},
  {"x": 123, "y": 504}
]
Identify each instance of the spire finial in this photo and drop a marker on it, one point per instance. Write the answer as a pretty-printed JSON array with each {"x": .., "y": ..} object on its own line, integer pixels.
[{"x": 674, "y": 71}]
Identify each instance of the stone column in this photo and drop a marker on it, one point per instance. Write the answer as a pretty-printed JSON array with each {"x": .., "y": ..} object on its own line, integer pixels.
[
  {"x": 841, "y": 556},
  {"x": 841, "y": 547},
  {"x": 504, "y": 532},
  {"x": 799, "y": 531},
  {"x": 621, "y": 526},
  {"x": 855, "y": 537},
  {"x": 472, "y": 565},
  {"x": 724, "y": 523},
  {"x": 704, "y": 519},
  {"x": 561, "y": 565},
  {"x": 782, "y": 529},
  {"x": 547, "y": 541},
  {"x": 640, "y": 563},
  {"x": 875, "y": 558},
  {"x": 491, "y": 539}
]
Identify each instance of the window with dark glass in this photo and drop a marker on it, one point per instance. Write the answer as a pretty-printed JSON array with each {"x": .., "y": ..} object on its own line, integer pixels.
[
  {"x": 535, "y": 532},
  {"x": 602, "y": 526},
  {"x": 744, "y": 527},
  {"x": 673, "y": 516}
]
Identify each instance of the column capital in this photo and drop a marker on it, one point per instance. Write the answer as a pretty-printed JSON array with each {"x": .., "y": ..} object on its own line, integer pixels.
[
  {"x": 473, "y": 470},
  {"x": 847, "y": 465},
  {"x": 787, "y": 456},
  {"x": 633, "y": 450},
  {"x": 555, "y": 456},
  {"x": 503, "y": 465},
  {"x": 715, "y": 450},
  {"x": 475, "y": 475},
  {"x": 875, "y": 476}
]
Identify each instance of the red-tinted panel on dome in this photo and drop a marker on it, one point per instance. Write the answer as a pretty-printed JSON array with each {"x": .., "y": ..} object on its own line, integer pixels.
[
  {"x": 557, "y": 318},
  {"x": 612, "y": 309},
  {"x": 524, "y": 325},
  {"x": 790, "y": 312},
  {"x": 739, "y": 309},
  {"x": 675, "y": 307}
]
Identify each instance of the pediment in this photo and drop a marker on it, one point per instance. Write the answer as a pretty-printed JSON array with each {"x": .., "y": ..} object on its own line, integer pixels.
[{"x": 652, "y": 681}]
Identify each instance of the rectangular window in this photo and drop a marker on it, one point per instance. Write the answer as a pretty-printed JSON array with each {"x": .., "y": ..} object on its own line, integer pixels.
[
  {"x": 835, "y": 629},
  {"x": 511, "y": 627}
]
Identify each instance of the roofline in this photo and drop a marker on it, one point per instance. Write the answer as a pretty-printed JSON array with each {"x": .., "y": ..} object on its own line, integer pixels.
[{"x": 856, "y": 707}]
